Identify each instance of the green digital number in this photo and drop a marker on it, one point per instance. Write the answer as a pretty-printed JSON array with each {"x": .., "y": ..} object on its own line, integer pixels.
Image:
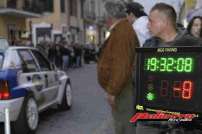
[
  {"x": 188, "y": 65},
  {"x": 148, "y": 64},
  {"x": 163, "y": 64},
  {"x": 153, "y": 64},
  {"x": 170, "y": 63},
  {"x": 180, "y": 65}
]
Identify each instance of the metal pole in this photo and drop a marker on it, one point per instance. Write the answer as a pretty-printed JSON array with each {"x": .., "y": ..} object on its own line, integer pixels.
[{"x": 7, "y": 127}]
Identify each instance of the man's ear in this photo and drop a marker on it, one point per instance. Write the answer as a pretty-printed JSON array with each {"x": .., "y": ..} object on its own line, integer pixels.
[{"x": 131, "y": 14}]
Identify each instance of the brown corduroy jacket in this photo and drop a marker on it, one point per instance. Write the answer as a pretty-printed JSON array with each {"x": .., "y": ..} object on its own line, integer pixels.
[{"x": 117, "y": 57}]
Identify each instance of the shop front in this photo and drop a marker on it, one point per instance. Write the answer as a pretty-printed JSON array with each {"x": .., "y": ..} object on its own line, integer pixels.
[{"x": 13, "y": 24}]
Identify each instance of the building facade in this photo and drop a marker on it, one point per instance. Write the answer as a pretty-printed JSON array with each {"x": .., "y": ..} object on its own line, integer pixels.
[
  {"x": 13, "y": 19},
  {"x": 63, "y": 19},
  {"x": 76, "y": 23},
  {"x": 94, "y": 21},
  {"x": 53, "y": 23}
]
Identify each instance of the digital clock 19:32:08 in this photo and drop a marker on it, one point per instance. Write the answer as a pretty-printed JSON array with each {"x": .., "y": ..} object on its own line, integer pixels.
[{"x": 169, "y": 64}]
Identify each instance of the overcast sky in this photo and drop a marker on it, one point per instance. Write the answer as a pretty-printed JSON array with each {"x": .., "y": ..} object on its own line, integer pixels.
[{"x": 199, "y": 4}]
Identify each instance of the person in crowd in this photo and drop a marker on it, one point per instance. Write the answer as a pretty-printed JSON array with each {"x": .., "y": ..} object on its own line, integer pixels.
[
  {"x": 178, "y": 5},
  {"x": 58, "y": 56},
  {"x": 115, "y": 67},
  {"x": 162, "y": 25},
  {"x": 195, "y": 27},
  {"x": 51, "y": 53},
  {"x": 72, "y": 55},
  {"x": 43, "y": 47},
  {"x": 12, "y": 42},
  {"x": 139, "y": 19},
  {"x": 78, "y": 54},
  {"x": 65, "y": 56},
  {"x": 87, "y": 53}
]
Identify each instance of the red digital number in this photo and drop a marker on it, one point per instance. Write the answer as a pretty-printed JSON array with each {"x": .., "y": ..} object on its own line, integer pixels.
[
  {"x": 181, "y": 89},
  {"x": 164, "y": 88},
  {"x": 187, "y": 91},
  {"x": 177, "y": 89}
]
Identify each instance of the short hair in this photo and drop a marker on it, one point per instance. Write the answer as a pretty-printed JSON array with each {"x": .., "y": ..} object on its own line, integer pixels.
[
  {"x": 168, "y": 11},
  {"x": 136, "y": 9},
  {"x": 115, "y": 9}
]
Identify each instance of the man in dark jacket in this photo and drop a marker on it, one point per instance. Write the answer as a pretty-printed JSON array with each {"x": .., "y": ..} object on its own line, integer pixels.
[{"x": 162, "y": 25}]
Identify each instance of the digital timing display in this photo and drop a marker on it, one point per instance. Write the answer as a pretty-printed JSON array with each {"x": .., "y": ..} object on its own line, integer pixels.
[
  {"x": 170, "y": 78},
  {"x": 169, "y": 64}
]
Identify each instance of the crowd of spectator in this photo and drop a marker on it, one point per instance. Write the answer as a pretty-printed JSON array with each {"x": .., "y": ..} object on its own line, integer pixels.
[{"x": 66, "y": 56}]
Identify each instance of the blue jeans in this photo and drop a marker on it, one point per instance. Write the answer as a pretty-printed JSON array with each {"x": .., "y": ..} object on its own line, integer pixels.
[
  {"x": 65, "y": 59},
  {"x": 78, "y": 61}
]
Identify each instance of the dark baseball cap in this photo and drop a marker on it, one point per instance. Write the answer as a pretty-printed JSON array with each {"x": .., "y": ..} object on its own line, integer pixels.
[{"x": 136, "y": 8}]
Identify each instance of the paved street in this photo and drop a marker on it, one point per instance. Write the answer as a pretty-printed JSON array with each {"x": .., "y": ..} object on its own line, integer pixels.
[{"x": 90, "y": 113}]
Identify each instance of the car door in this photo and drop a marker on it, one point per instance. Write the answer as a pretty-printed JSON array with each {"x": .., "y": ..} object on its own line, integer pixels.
[
  {"x": 51, "y": 80},
  {"x": 30, "y": 77}
]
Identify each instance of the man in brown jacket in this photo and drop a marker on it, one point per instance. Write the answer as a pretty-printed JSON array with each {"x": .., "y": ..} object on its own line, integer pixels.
[{"x": 115, "y": 67}]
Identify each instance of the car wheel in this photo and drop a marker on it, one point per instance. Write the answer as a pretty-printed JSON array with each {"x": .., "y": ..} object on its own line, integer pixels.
[
  {"x": 66, "y": 99},
  {"x": 28, "y": 119}
]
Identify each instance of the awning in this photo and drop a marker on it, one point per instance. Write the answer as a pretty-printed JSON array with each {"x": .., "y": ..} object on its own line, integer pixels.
[{"x": 18, "y": 13}]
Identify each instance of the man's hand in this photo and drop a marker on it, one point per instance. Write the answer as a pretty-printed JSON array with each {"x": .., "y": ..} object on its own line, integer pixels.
[{"x": 111, "y": 101}]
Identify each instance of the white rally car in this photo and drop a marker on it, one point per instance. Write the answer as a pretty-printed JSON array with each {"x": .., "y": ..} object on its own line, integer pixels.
[{"x": 29, "y": 84}]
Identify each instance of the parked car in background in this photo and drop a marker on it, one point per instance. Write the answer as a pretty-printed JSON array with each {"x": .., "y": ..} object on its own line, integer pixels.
[{"x": 29, "y": 84}]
